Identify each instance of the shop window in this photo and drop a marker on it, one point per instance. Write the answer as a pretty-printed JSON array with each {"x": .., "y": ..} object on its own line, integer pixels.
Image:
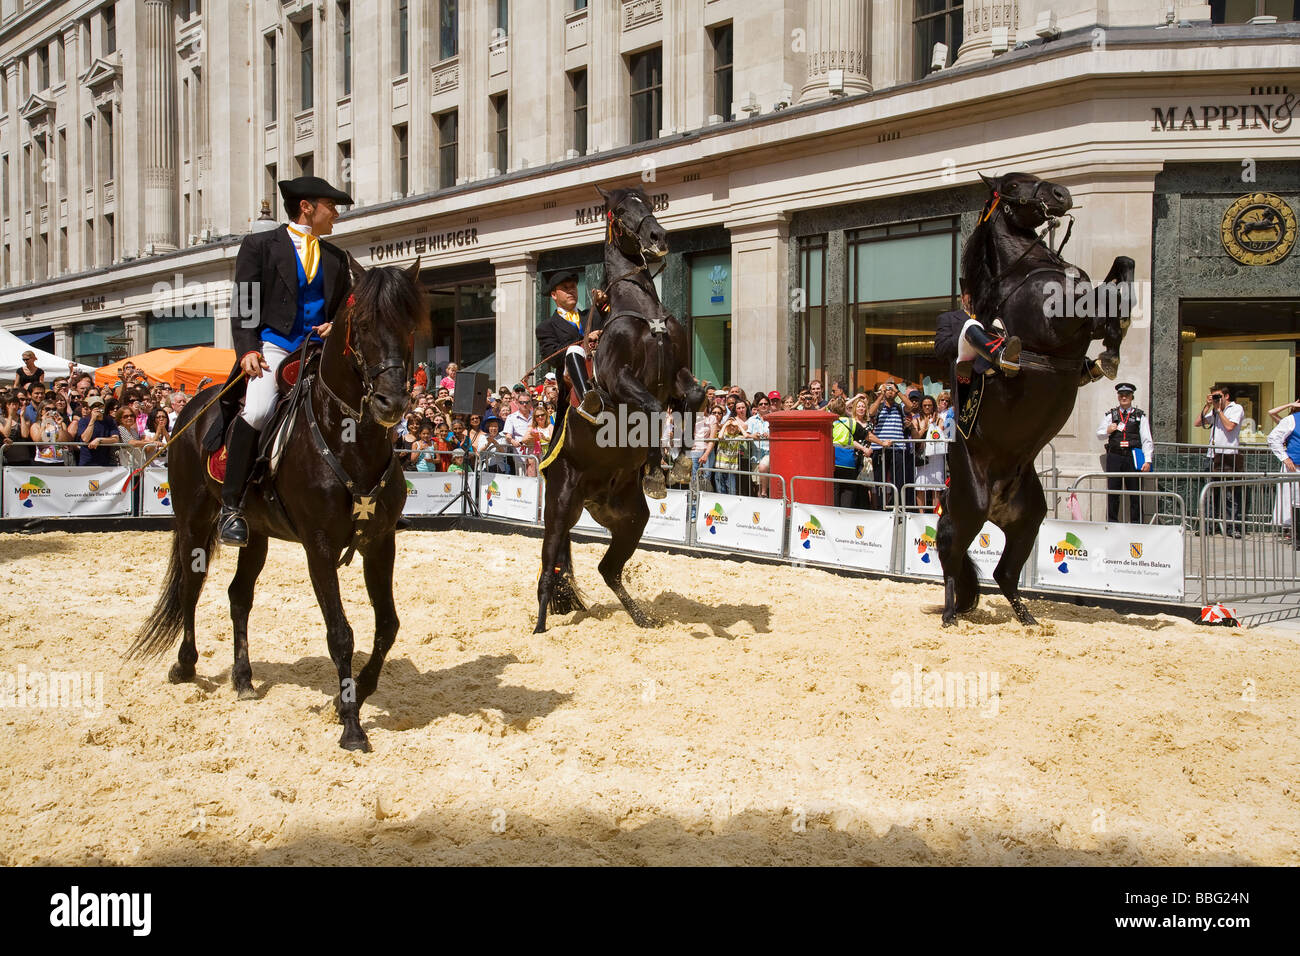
[
  {"x": 462, "y": 328},
  {"x": 811, "y": 295},
  {"x": 1243, "y": 11},
  {"x": 934, "y": 21},
  {"x": 1250, "y": 345},
  {"x": 710, "y": 317},
  {"x": 900, "y": 277},
  {"x": 93, "y": 343},
  {"x": 192, "y": 327}
]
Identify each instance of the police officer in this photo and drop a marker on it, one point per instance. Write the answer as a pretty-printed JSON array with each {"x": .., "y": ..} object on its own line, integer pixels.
[
  {"x": 1129, "y": 448},
  {"x": 565, "y": 326},
  {"x": 288, "y": 283}
]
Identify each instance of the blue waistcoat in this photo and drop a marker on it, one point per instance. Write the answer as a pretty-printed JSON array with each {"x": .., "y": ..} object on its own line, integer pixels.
[
  {"x": 1293, "y": 440},
  {"x": 311, "y": 309}
]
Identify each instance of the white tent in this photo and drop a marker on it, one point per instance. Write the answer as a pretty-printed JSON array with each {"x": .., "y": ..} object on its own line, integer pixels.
[{"x": 11, "y": 359}]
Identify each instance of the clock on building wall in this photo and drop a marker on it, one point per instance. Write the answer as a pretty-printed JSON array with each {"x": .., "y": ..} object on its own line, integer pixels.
[{"x": 1258, "y": 229}]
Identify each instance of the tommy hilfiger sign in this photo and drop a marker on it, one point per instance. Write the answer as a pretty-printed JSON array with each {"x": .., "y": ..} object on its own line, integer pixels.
[
  {"x": 420, "y": 245},
  {"x": 1272, "y": 117}
]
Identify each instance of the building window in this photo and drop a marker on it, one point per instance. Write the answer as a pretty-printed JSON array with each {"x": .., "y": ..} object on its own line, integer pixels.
[
  {"x": 501, "y": 109},
  {"x": 722, "y": 91},
  {"x": 812, "y": 320},
  {"x": 709, "y": 316},
  {"x": 448, "y": 29},
  {"x": 403, "y": 166},
  {"x": 306, "y": 75},
  {"x": 578, "y": 90},
  {"x": 88, "y": 146},
  {"x": 403, "y": 37},
  {"x": 110, "y": 247},
  {"x": 272, "y": 80},
  {"x": 60, "y": 67},
  {"x": 345, "y": 17},
  {"x": 646, "y": 71},
  {"x": 110, "y": 30},
  {"x": 503, "y": 17},
  {"x": 43, "y": 68},
  {"x": 899, "y": 278},
  {"x": 106, "y": 129},
  {"x": 4, "y": 187},
  {"x": 934, "y": 21},
  {"x": 270, "y": 187},
  {"x": 89, "y": 260},
  {"x": 306, "y": 165},
  {"x": 195, "y": 327},
  {"x": 91, "y": 343},
  {"x": 345, "y": 164},
  {"x": 1243, "y": 11},
  {"x": 447, "y": 166},
  {"x": 63, "y": 164}
]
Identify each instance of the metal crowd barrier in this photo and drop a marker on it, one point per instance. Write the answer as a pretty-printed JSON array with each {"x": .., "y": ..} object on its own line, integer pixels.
[{"x": 1245, "y": 556}]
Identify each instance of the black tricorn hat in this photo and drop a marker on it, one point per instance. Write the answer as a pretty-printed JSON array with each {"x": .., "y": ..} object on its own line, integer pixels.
[
  {"x": 560, "y": 275},
  {"x": 312, "y": 187}
]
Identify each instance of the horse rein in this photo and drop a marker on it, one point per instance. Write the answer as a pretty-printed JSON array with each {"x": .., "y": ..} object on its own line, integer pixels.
[{"x": 367, "y": 374}]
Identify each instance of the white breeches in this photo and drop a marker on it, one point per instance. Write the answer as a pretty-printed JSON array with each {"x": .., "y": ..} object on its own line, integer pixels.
[
  {"x": 965, "y": 351},
  {"x": 259, "y": 400}
]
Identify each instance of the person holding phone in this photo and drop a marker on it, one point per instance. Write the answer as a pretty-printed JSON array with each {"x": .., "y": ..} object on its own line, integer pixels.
[
  {"x": 98, "y": 431},
  {"x": 1223, "y": 417}
]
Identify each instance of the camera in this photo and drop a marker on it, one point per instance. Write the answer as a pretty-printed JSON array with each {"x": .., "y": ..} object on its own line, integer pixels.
[{"x": 1217, "y": 396}]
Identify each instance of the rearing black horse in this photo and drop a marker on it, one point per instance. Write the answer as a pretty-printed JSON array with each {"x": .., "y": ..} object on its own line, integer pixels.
[
  {"x": 338, "y": 486},
  {"x": 641, "y": 365},
  {"x": 1013, "y": 275}
]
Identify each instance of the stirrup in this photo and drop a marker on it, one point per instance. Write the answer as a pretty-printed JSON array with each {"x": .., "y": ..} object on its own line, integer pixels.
[
  {"x": 1008, "y": 357},
  {"x": 233, "y": 527},
  {"x": 590, "y": 407}
]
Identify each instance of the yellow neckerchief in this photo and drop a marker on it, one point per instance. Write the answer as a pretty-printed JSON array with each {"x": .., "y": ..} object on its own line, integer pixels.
[
  {"x": 310, "y": 252},
  {"x": 573, "y": 317}
]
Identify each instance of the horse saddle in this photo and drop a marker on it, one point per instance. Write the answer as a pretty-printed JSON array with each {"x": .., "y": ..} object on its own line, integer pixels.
[{"x": 275, "y": 435}]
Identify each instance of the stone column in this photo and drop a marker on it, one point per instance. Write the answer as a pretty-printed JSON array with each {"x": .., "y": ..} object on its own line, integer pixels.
[
  {"x": 516, "y": 281},
  {"x": 158, "y": 125},
  {"x": 979, "y": 17},
  {"x": 760, "y": 312},
  {"x": 837, "y": 40},
  {"x": 63, "y": 343},
  {"x": 134, "y": 329}
]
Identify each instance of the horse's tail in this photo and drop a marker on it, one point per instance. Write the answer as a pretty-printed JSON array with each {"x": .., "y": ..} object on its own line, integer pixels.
[{"x": 160, "y": 630}]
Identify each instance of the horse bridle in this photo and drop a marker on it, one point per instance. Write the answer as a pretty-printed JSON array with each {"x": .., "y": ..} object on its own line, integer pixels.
[
  {"x": 367, "y": 373},
  {"x": 617, "y": 227}
]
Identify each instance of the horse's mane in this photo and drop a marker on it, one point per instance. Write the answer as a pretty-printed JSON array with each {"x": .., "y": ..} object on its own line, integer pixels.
[
  {"x": 386, "y": 294},
  {"x": 977, "y": 268}
]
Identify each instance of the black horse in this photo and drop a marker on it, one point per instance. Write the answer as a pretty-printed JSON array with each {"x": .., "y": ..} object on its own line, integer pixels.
[
  {"x": 641, "y": 366},
  {"x": 338, "y": 487},
  {"x": 1015, "y": 276}
]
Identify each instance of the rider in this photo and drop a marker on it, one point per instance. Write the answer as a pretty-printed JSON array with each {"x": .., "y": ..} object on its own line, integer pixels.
[
  {"x": 960, "y": 332},
  {"x": 271, "y": 314},
  {"x": 564, "y": 327}
]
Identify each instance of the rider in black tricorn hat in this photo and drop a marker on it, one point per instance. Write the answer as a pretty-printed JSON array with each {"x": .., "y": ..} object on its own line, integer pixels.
[
  {"x": 565, "y": 326},
  {"x": 287, "y": 285},
  {"x": 960, "y": 336}
]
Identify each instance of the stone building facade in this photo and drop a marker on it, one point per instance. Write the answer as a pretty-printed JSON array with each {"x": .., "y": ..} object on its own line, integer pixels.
[{"x": 816, "y": 173}]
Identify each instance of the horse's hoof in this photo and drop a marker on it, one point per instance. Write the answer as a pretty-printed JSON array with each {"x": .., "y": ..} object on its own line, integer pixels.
[
  {"x": 358, "y": 741},
  {"x": 949, "y": 620},
  {"x": 246, "y": 693},
  {"x": 1108, "y": 362},
  {"x": 179, "y": 674},
  {"x": 539, "y": 629},
  {"x": 654, "y": 486},
  {"x": 1023, "y": 615},
  {"x": 681, "y": 470}
]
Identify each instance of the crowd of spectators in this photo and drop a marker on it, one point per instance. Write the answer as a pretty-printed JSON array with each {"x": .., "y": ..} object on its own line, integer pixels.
[
  {"x": 893, "y": 436},
  {"x": 71, "y": 420}
]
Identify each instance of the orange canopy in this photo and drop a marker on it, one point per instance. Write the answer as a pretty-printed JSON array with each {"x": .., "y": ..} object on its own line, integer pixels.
[{"x": 174, "y": 366}]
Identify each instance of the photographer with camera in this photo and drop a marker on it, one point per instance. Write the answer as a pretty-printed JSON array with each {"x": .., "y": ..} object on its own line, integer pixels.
[
  {"x": 1223, "y": 417},
  {"x": 98, "y": 431}
]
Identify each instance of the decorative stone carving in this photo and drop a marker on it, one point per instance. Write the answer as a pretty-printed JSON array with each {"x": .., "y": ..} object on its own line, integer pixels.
[
  {"x": 446, "y": 77},
  {"x": 637, "y": 13},
  {"x": 304, "y": 124},
  {"x": 837, "y": 40},
  {"x": 979, "y": 17}
]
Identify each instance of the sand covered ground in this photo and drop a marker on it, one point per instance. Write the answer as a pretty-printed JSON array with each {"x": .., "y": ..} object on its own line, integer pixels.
[{"x": 779, "y": 715}]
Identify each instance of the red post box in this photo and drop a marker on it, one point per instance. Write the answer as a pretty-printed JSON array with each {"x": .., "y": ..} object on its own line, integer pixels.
[{"x": 801, "y": 445}]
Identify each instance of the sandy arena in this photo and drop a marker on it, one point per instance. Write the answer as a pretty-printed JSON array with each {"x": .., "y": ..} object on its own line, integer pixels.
[{"x": 766, "y": 721}]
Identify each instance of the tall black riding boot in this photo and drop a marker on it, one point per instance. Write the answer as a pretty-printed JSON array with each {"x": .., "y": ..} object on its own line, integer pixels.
[
  {"x": 589, "y": 403},
  {"x": 1002, "y": 354},
  {"x": 241, "y": 450}
]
